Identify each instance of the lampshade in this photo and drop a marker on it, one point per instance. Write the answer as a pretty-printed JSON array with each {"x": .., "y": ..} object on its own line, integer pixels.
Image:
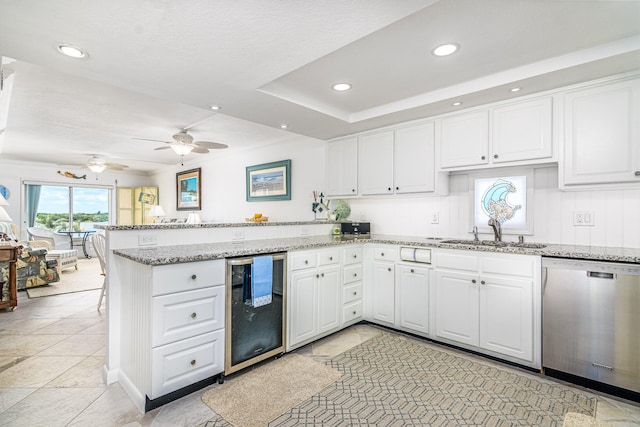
[
  {"x": 3, "y": 201},
  {"x": 96, "y": 167},
  {"x": 182, "y": 149},
  {"x": 156, "y": 210},
  {"x": 4, "y": 216}
]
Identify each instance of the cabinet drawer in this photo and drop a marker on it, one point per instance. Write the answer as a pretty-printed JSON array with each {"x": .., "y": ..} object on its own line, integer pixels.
[
  {"x": 188, "y": 276},
  {"x": 187, "y": 314},
  {"x": 515, "y": 265},
  {"x": 329, "y": 257},
  {"x": 352, "y": 274},
  {"x": 186, "y": 362},
  {"x": 352, "y": 293},
  {"x": 352, "y": 311},
  {"x": 457, "y": 261},
  {"x": 352, "y": 255},
  {"x": 302, "y": 260},
  {"x": 385, "y": 254}
]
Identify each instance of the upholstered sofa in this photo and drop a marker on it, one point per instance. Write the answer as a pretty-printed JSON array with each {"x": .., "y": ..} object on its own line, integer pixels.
[{"x": 32, "y": 267}]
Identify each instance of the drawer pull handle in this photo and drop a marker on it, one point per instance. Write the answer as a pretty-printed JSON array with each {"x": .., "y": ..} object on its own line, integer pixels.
[
  {"x": 356, "y": 256},
  {"x": 495, "y": 156},
  {"x": 354, "y": 313},
  {"x": 482, "y": 282},
  {"x": 412, "y": 270},
  {"x": 306, "y": 261},
  {"x": 317, "y": 276},
  {"x": 389, "y": 269},
  {"x": 193, "y": 362},
  {"x": 483, "y": 158},
  {"x": 473, "y": 281},
  {"x": 322, "y": 275},
  {"x": 355, "y": 293},
  {"x": 193, "y": 277},
  {"x": 637, "y": 173},
  {"x": 330, "y": 258},
  {"x": 194, "y": 315},
  {"x": 381, "y": 253}
]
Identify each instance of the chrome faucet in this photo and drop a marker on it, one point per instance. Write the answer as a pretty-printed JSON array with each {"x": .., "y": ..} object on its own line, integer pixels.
[
  {"x": 497, "y": 229},
  {"x": 475, "y": 233}
]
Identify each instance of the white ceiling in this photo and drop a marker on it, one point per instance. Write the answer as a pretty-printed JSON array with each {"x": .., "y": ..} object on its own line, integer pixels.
[{"x": 155, "y": 66}]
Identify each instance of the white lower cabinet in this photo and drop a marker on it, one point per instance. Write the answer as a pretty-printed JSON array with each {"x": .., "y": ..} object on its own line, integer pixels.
[
  {"x": 352, "y": 275},
  {"x": 383, "y": 285},
  {"x": 413, "y": 297},
  {"x": 490, "y": 302},
  {"x": 315, "y": 295}
]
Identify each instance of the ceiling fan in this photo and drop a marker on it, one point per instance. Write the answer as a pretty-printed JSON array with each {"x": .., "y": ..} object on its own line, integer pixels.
[
  {"x": 97, "y": 164},
  {"x": 184, "y": 144}
]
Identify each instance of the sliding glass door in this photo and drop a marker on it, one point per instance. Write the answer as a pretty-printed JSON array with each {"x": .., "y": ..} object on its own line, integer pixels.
[{"x": 76, "y": 208}]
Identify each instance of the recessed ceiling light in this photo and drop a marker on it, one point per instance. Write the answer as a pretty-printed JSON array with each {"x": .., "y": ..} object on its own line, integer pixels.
[
  {"x": 445, "y": 49},
  {"x": 341, "y": 87},
  {"x": 283, "y": 126},
  {"x": 516, "y": 89},
  {"x": 72, "y": 51},
  {"x": 214, "y": 107},
  {"x": 455, "y": 104}
]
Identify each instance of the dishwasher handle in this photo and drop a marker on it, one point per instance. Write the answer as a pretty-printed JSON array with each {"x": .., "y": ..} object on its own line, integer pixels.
[{"x": 599, "y": 275}]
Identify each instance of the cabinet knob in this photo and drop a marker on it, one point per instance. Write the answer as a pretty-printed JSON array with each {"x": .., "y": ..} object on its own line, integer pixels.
[
  {"x": 193, "y": 362},
  {"x": 389, "y": 268},
  {"x": 483, "y": 158},
  {"x": 355, "y": 293},
  {"x": 473, "y": 281},
  {"x": 381, "y": 253},
  {"x": 317, "y": 276},
  {"x": 322, "y": 275},
  {"x": 354, "y": 313},
  {"x": 355, "y": 274},
  {"x": 397, "y": 188},
  {"x": 355, "y": 256},
  {"x": 306, "y": 261},
  {"x": 330, "y": 258},
  {"x": 412, "y": 270},
  {"x": 637, "y": 173},
  {"x": 482, "y": 282},
  {"x": 353, "y": 190},
  {"x": 389, "y": 189},
  {"x": 194, "y": 315},
  {"x": 193, "y": 277},
  {"x": 495, "y": 156}
]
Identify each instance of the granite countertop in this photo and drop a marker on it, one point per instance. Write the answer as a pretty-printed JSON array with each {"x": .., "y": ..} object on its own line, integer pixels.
[
  {"x": 161, "y": 255},
  {"x": 169, "y": 226}
]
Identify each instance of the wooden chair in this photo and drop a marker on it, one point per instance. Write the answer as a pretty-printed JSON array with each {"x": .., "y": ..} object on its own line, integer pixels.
[{"x": 98, "y": 242}]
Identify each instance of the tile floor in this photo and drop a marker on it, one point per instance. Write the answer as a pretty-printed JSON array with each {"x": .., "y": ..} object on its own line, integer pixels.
[{"x": 51, "y": 354}]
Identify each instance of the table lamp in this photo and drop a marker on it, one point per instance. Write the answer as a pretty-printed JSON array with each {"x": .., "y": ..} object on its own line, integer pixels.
[{"x": 157, "y": 212}]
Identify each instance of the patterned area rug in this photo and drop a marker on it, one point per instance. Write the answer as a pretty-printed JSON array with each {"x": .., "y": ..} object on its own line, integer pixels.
[
  {"x": 395, "y": 380},
  {"x": 87, "y": 277}
]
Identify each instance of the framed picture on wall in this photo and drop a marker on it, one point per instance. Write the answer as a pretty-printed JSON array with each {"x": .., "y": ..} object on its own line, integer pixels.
[
  {"x": 269, "y": 181},
  {"x": 189, "y": 190}
]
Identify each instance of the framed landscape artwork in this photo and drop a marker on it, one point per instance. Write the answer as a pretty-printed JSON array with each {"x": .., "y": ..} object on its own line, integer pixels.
[
  {"x": 189, "y": 190},
  {"x": 269, "y": 181}
]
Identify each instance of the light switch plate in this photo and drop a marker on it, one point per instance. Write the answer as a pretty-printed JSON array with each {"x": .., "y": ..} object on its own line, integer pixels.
[
  {"x": 147, "y": 239},
  {"x": 584, "y": 218}
]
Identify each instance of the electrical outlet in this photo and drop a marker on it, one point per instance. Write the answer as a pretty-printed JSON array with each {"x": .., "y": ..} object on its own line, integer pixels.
[
  {"x": 583, "y": 218},
  {"x": 435, "y": 218},
  {"x": 304, "y": 231},
  {"x": 237, "y": 235},
  {"x": 147, "y": 239}
]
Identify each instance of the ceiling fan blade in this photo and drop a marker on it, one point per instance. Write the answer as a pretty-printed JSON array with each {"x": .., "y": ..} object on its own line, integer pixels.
[
  {"x": 211, "y": 145},
  {"x": 116, "y": 166},
  {"x": 154, "y": 140},
  {"x": 162, "y": 148},
  {"x": 199, "y": 150}
]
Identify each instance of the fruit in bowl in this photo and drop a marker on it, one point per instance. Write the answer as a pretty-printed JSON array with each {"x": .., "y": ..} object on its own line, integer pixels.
[{"x": 257, "y": 215}]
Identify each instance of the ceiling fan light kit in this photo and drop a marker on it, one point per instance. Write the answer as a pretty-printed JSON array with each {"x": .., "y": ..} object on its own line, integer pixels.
[
  {"x": 96, "y": 167},
  {"x": 182, "y": 149}
]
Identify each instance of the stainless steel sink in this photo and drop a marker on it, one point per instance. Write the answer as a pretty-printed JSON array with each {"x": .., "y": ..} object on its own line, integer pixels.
[{"x": 494, "y": 243}]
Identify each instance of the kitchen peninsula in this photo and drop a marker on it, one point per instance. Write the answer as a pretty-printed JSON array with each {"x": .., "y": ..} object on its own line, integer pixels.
[{"x": 146, "y": 267}]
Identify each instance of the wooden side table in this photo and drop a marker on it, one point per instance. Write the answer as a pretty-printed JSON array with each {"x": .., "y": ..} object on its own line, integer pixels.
[{"x": 10, "y": 254}]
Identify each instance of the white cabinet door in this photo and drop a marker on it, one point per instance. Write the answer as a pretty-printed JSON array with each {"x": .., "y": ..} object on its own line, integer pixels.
[
  {"x": 521, "y": 131},
  {"x": 464, "y": 140},
  {"x": 342, "y": 167},
  {"x": 506, "y": 316},
  {"x": 375, "y": 163},
  {"x": 602, "y": 135},
  {"x": 456, "y": 308},
  {"x": 413, "y": 296},
  {"x": 414, "y": 159},
  {"x": 329, "y": 299},
  {"x": 302, "y": 305},
  {"x": 383, "y": 289}
]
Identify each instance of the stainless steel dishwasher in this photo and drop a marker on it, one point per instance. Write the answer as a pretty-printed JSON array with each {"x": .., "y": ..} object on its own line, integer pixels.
[{"x": 591, "y": 324}]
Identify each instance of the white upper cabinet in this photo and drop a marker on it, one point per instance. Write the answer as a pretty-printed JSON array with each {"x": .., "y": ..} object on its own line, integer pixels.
[
  {"x": 464, "y": 140},
  {"x": 342, "y": 167},
  {"x": 414, "y": 159},
  {"x": 521, "y": 131},
  {"x": 515, "y": 132},
  {"x": 375, "y": 163},
  {"x": 398, "y": 161},
  {"x": 602, "y": 135}
]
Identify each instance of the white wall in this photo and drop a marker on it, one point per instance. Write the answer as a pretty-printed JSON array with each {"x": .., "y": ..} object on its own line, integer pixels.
[
  {"x": 616, "y": 213},
  {"x": 224, "y": 188},
  {"x": 12, "y": 174}
]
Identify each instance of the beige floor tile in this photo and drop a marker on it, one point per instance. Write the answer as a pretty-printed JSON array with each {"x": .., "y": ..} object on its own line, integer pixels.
[
  {"x": 113, "y": 408},
  {"x": 36, "y": 371},
  {"x": 8, "y": 361},
  {"x": 617, "y": 413},
  {"x": 86, "y": 374},
  {"x": 27, "y": 345},
  {"x": 50, "y": 407},
  {"x": 98, "y": 328},
  {"x": 11, "y": 396},
  {"x": 22, "y": 326},
  {"x": 66, "y": 326},
  {"x": 76, "y": 345}
]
